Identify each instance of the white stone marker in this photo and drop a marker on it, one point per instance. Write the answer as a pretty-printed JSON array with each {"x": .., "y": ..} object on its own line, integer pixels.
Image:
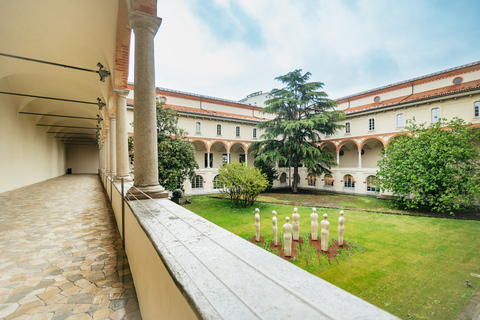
[
  {"x": 275, "y": 229},
  {"x": 325, "y": 225},
  {"x": 257, "y": 224},
  {"x": 287, "y": 238},
  {"x": 296, "y": 224},
  {"x": 341, "y": 228},
  {"x": 314, "y": 224}
]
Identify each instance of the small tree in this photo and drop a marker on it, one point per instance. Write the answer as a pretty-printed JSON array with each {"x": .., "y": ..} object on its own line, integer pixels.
[
  {"x": 242, "y": 182},
  {"x": 176, "y": 155},
  {"x": 302, "y": 114},
  {"x": 435, "y": 166}
]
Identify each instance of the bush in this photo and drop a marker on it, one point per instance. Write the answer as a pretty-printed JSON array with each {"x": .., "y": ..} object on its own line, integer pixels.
[
  {"x": 435, "y": 166},
  {"x": 242, "y": 182},
  {"x": 177, "y": 193}
]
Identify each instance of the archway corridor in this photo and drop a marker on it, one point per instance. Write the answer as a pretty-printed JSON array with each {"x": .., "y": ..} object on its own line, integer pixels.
[{"x": 61, "y": 254}]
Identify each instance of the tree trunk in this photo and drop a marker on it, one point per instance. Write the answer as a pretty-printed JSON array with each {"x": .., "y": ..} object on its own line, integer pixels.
[{"x": 295, "y": 175}]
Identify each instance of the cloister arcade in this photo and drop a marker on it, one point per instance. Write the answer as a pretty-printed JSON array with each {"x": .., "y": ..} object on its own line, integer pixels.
[
  {"x": 210, "y": 154},
  {"x": 356, "y": 171}
]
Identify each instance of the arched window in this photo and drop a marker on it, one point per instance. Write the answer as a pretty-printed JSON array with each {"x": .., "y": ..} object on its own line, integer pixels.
[
  {"x": 328, "y": 180},
  {"x": 198, "y": 128},
  {"x": 349, "y": 182},
  {"x": 283, "y": 178},
  {"x": 254, "y": 132},
  {"x": 311, "y": 180},
  {"x": 197, "y": 182},
  {"x": 219, "y": 129},
  {"x": 347, "y": 127},
  {"x": 372, "y": 183},
  {"x": 371, "y": 124},
  {"x": 400, "y": 120},
  {"x": 435, "y": 115},
  {"x": 476, "y": 109},
  {"x": 237, "y": 131},
  {"x": 216, "y": 183}
]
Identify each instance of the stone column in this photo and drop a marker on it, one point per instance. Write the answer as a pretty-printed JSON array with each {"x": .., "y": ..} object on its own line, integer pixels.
[
  {"x": 100, "y": 157},
  {"x": 145, "y": 27},
  {"x": 360, "y": 158},
  {"x": 228, "y": 157},
  {"x": 104, "y": 149},
  {"x": 208, "y": 160},
  {"x": 113, "y": 157},
  {"x": 122, "y": 135},
  {"x": 338, "y": 157},
  {"x": 107, "y": 151}
]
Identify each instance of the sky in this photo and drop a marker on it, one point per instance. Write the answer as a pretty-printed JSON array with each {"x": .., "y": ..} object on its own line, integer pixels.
[{"x": 231, "y": 48}]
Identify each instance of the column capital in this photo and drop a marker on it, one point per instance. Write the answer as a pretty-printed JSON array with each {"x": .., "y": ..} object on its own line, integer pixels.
[
  {"x": 121, "y": 92},
  {"x": 111, "y": 116},
  {"x": 139, "y": 19}
]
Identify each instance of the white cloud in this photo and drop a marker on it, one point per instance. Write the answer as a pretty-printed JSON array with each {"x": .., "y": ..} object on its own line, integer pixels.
[{"x": 349, "y": 45}]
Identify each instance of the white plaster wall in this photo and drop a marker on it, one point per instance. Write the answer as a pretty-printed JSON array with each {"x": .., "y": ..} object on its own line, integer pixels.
[
  {"x": 27, "y": 153},
  {"x": 418, "y": 88},
  {"x": 82, "y": 159},
  {"x": 386, "y": 121}
]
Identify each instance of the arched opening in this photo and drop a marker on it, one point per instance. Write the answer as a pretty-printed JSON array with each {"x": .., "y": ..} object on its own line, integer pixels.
[
  {"x": 216, "y": 183},
  {"x": 330, "y": 148},
  {"x": 371, "y": 153},
  {"x": 348, "y": 183},
  {"x": 237, "y": 153},
  {"x": 219, "y": 154},
  {"x": 349, "y": 155},
  {"x": 201, "y": 154},
  {"x": 197, "y": 182},
  {"x": 283, "y": 178},
  {"x": 328, "y": 182},
  {"x": 372, "y": 184},
  {"x": 311, "y": 180}
]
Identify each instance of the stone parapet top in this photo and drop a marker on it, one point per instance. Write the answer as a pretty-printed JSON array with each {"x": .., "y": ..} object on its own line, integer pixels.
[{"x": 226, "y": 277}]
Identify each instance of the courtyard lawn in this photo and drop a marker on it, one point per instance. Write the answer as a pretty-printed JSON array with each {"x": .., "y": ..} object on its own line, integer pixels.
[{"x": 413, "y": 267}]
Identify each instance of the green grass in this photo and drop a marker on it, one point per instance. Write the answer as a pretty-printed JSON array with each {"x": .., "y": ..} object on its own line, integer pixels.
[{"x": 414, "y": 267}]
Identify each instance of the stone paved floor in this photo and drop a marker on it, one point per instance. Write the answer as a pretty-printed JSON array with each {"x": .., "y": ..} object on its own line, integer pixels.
[{"x": 61, "y": 255}]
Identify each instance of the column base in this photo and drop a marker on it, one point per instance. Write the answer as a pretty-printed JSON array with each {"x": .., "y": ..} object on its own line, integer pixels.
[
  {"x": 154, "y": 192},
  {"x": 126, "y": 178}
]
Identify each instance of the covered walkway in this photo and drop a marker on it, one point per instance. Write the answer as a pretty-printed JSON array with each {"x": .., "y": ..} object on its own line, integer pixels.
[{"x": 61, "y": 255}]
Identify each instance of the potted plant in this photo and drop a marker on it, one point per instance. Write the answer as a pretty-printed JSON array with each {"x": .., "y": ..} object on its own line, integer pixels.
[{"x": 177, "y": 197}]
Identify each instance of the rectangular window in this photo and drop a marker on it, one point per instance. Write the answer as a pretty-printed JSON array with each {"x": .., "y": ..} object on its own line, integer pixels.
[
  {"x": 435, "y": 115},
  {"x": 476, "y": 109},
  {"x": 198, "y": 128},
  {"x": 254, "y": 132},
  {"x": 400, "y": 120},
  {"x": 219, "y": 129},
  {"x": 371, "y": 124},
  {"x": 237, "y": 131},
  {"x": 347, "y": 127},
  {"x": 225, "y": 158}
]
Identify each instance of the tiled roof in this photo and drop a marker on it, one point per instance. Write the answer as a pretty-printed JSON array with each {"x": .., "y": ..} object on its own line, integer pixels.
[
  {"x": 456, "y": 71},
  {"x": 199, "y": 97},
  {"x": 215, "y": 113},
  {"x": 436, "y": 93},
  {"x": 209, "y": 112}
]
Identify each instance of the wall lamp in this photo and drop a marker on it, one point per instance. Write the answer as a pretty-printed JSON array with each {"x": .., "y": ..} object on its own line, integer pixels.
[{"x": 102, "y": 72}]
